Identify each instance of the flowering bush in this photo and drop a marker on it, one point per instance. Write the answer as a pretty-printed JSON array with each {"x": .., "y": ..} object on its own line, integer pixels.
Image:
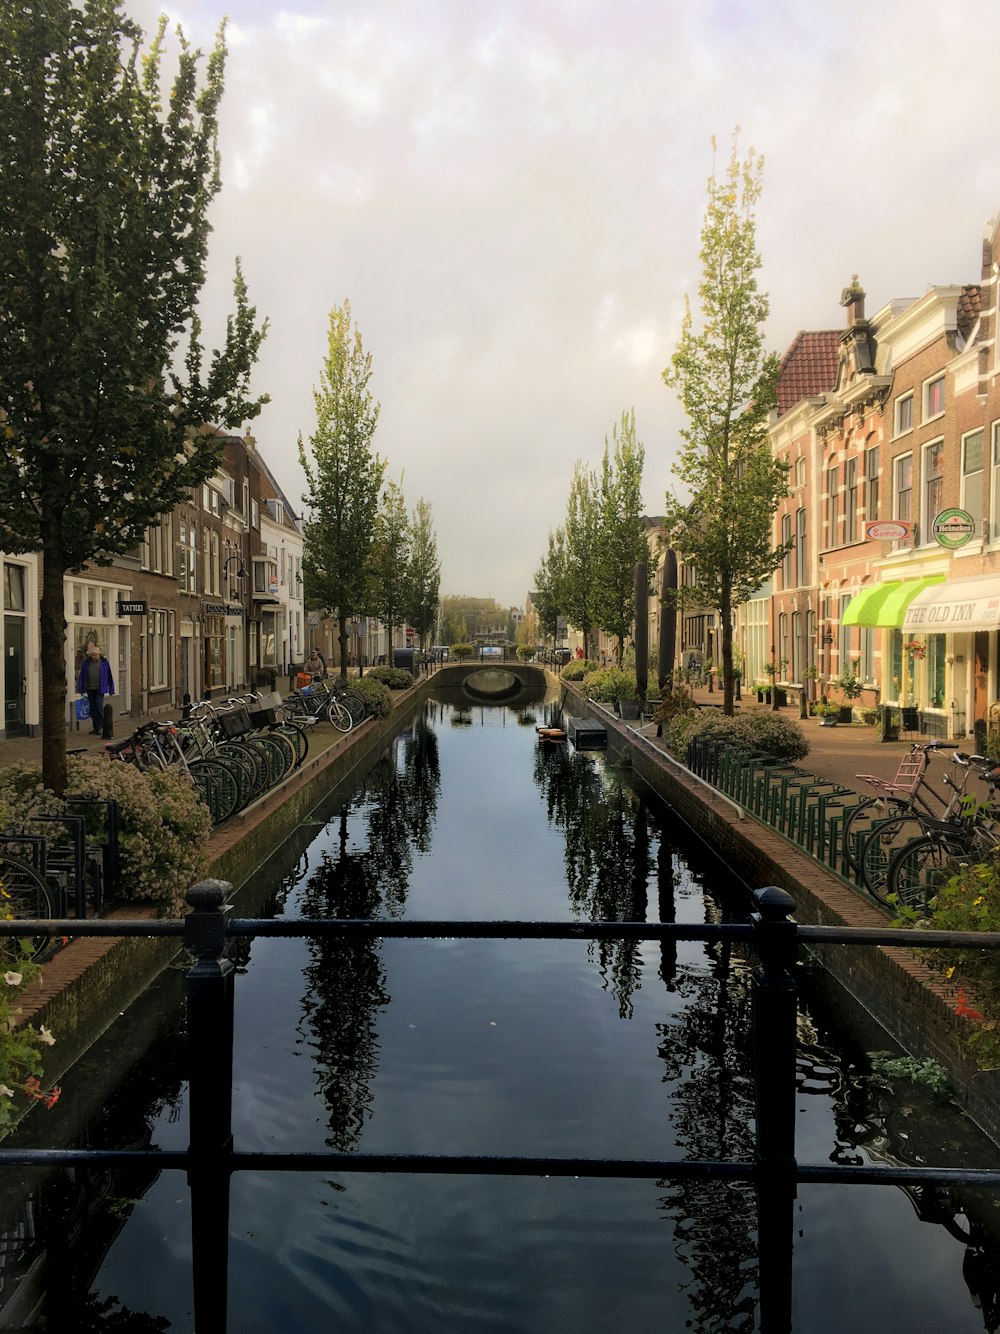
[
  {"x": 163, "y": 827},
  {"x": 20, "y": 1057},
  {"x": 916, "y": 648}
]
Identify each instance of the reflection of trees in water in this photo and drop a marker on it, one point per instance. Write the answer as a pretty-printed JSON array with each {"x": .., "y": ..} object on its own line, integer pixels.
[
  {"x": 346, "y": 978},
  {"x": 607, "y": 855}
]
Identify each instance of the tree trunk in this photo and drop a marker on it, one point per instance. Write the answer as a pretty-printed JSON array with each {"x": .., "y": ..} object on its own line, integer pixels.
[
  {"x": 53, "y": 654},
  {"x": 726, "y": 616},
  {"x": 342, "y": 641}
]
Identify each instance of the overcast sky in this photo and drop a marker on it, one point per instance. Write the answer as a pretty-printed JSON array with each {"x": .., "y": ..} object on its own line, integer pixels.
[{"x": 510, "y": 193}]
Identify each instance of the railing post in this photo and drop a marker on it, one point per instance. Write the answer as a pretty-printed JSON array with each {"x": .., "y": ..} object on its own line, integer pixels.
[
  {"x": 774, "y": 1037},
  {"x": 210, "y": 1065}
]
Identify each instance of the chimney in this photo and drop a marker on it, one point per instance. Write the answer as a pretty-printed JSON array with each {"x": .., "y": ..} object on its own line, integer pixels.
[{"x": 853, "y": 298}]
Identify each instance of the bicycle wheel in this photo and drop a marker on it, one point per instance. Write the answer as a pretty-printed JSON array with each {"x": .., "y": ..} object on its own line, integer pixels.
[
  {"x": 24, "y": 893},
  {"x": 244, "y": 769},
  {"x": 280, "y": 754},
  {"x": 218, "y": 788},
  {"x": 339, "y": 715},
  {"x": 917, "y": 872},
  {"x": 884, "y": 840},
  {"x": 297, "y": 735},
  {"x": 859, "y": 822},
  {"x": 355, "y": 703}
]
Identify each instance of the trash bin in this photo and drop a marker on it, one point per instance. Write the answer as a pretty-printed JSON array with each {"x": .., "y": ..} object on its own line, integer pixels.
[{"x": 404, "y": 657}]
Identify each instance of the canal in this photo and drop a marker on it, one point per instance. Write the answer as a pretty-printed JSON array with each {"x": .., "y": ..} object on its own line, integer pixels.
[{"x": 499, "y": 1047}]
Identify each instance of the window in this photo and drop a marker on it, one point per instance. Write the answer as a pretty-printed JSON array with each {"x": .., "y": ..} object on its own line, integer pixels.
[
  {"x": 13, "y": 588},
  {"x": 867, "y": 667},
  {"x": 215, "y": 630},
  {"x": 800, "y": 471},
  {"x": 871, "y": 483},
  {"x": 786, "y": 564},
  {"x": 801, "y": 550},
  {"x": 187, "y": 558},
  {"x": 254, "y": 514},
  {"x": 159, "y": 629},
  {"x": 995, "y": 480},
  {"x": 832, "y": 485},
  {"x": 209, "y": 499},
  {"x": 934, "y": 398},
  {"x": 972, "y": 474},
  {"x": 933, "y": 484},
  {"x": 851, "y": 514},
  {"x": 903, "y": 418},
  {"x": 902, "y": 487},
  {"x": 843, "y": 635}
]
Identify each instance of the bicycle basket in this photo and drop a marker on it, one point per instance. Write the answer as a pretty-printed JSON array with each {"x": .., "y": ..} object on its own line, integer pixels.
[
  {"x": 234, "y": 722},
  {"x": 263, "y": 717}
]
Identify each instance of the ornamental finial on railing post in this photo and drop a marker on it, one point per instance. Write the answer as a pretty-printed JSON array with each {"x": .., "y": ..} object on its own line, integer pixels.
[{"x": 205, "y": 924}]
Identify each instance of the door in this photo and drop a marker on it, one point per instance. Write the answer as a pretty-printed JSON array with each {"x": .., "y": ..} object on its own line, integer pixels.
[{"x": 13, "y": 676}]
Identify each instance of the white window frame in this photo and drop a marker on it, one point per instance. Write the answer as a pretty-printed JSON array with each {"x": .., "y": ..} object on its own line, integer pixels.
[
  {"x": 933, "y": 448},
  {"x": 930, "y": 384},
  {"x": 995, "y": 480},
  {"x": 973, "y": 504},
  {"x": 904, "y": 400},
  {"x": 160, "y": 648}
]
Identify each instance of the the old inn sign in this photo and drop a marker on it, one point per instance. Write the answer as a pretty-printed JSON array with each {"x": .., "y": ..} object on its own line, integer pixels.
[{"x": 954, "y": 606}]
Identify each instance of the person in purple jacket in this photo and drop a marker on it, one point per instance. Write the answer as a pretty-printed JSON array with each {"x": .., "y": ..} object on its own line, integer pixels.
[{"x": 95, "y": 681}]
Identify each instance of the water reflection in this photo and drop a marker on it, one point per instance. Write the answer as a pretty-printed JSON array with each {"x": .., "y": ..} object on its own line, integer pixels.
[{"x": 367, "y": 878}]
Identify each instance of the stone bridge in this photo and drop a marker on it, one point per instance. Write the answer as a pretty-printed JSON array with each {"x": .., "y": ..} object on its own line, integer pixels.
[{"x": 501, "y": 682}]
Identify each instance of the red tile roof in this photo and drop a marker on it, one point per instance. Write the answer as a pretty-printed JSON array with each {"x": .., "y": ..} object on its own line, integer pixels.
[
  {"x": 809, "y": 367},
  {"x": 968, "y": 309}
]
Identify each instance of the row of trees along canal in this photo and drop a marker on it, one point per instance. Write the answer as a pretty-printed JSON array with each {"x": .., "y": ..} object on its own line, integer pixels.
[
  {"x": 108, "y": 406},
  {"x": 727, "y": 482}
]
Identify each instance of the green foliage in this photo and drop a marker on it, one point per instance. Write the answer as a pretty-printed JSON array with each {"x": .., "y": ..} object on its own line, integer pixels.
[
  {"x": 760, "y": 730},
  {"x": 375, "y": 694},
  {"x": 344, "y": 479},
  {"x": 526, "y": 652},
  {"x": 461, "y": 651},
  {"x": 606, "y": 684},
  {"x": 464, "y": 618},
  {"x": 390, "y": 559},
  {"x": 424, "y": 583},
  {"x": 577, "y": 668},
  {"x": 548, "y": 592},
  {"x": 887, "y": 1069},
  {"x": 825, "y": 708},
  {"x": 730, "y": 483},
  {"x": 849, "y": 683},
  {"x": 576, "y": 588},
  {"x": 620, "y": 540},
  {"x": 675, "y": 703},
  {"x": 396, "y": 678},
  {"x": 163, "y": 828},
  {"x": 107, "y": 182},
  {"x": 21, "y": 1071}
]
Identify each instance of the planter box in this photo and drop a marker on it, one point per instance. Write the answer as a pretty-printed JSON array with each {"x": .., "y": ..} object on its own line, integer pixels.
[{"x": 628, "y": 708}]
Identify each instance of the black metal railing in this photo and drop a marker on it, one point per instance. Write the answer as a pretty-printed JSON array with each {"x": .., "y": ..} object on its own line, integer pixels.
[{"x": 211, "y": 1157}]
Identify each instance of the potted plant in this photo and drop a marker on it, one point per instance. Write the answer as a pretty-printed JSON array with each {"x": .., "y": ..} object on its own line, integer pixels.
[{"x": 827, "y": 712}]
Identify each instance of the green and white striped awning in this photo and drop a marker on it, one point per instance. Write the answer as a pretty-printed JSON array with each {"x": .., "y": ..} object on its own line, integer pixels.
[{"x": 884, "y": 605}]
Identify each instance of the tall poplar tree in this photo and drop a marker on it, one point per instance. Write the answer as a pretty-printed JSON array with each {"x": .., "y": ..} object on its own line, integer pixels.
[
  {"x": 425, "y": 572},
  {"x": 727, "y": 384},
  {"x": 580, "y": 537},
  {"x": 105, "y": 187},
  {"x": 391, "y": 560},
  {"x": 621, "y": 538},
  {"x": 344, "y": 479},
  {"x": 549, "y": 585}
]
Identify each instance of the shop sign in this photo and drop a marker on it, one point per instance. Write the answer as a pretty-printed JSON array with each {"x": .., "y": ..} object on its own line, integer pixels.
[
  {"x": 953, "y": 528},
  {"x": 138, "y": 607},
  {"x": 223, "y": 609},
  {"x": 887, "y": 529}
]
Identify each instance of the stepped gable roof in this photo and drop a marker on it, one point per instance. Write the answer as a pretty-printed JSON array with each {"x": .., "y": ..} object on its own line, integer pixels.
[
  {"x": 809, "y": 367},
  {"x": 969, "y": 306}
]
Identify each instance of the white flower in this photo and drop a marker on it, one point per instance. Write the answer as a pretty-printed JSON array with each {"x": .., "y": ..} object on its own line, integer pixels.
[
  {"x": 45, "y": 1036},
  {"x": 5, "y": 1092},
  {"x": 12, "y": 979}
]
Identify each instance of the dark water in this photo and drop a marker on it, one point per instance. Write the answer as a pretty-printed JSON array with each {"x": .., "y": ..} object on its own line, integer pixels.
[{"x": 549, "y": 1047}]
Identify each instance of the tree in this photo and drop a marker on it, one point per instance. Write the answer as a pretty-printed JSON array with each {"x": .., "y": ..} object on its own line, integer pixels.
[
  {"x": 580, "y": 536},
  {"x": 103, "y": 246},
  {"x": 727, "y": 385},
  {"x": 425, "y": 573},
  {"x": 621, "y": 539},
  {"x": 548, "y": 590},
  {"x": 344, "y": 479},
  {"x": 390, "y": 564}
]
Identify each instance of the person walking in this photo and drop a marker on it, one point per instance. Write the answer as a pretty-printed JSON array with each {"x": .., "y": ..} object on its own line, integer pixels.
[{"x": 95, "y": 681}]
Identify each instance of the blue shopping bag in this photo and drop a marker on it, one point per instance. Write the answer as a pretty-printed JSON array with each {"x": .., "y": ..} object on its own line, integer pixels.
[{"x": 82, "y": 709}]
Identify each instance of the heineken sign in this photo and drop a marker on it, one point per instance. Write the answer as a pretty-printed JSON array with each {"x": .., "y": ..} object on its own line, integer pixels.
[{"x": 953, "y": 528}]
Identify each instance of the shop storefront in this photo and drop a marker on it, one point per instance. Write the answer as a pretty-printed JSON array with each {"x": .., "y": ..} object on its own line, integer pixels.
[{"x": 92, "y": 618}]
